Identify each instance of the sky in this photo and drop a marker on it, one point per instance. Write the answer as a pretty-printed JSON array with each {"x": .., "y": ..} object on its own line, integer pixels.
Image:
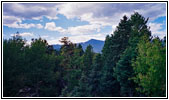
[{"x": 78, "y": 21}]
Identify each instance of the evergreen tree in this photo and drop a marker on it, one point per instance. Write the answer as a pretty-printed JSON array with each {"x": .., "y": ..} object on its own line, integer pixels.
[
  {"x": 132, "y": 63},
  {"x": 74, "y": 74},
  {"x": 95, "y": 76},
  {"x": 80, "y": 50},
  {"x": 67, "y": 53},
  {"x": 82, "y": 88},
  {"x": 13, "y": 62},
  {"x": 87, "y": 58},
  {"x": 40, "y": 66},
  {"x": 150, "y": 68},
  {"x": 123, "y": 70},
  {"x": 28, "y": 70},
  {"x": 113, "y": 48}
]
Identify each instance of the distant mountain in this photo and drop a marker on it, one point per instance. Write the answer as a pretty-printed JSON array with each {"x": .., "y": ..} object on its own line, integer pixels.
[
  {"x": 96, "y": 44},
  {"x": 56, "y": 46}
]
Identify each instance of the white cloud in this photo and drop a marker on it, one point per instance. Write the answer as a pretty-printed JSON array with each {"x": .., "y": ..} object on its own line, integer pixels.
[
  {"x": 84, "y": 29},
  {"x": 15, "y": 13},
  {"x": 153, "y": 11},
  {"x": 53, "y": 17},
  {"x": 79, "y": 38},
  {"x": 156, "y": 29},
  {"x": 84, "y": 38},
  {"x": 14, "y": 22},
  {"x": 77, "y": 30},
  {"x": 30, "y": 10},
  {"x": 90, "y": 12},
  {"x": 25, "y": 25},
  {"x": 51, "y": 26},
  {"x": 10, "y": 19},
  {"x": 39, "y": 26},
  {"x": 54, "y": 40},
  {"x": 110, "y": 13},
  {"x": 25, "y": 34},
  {"x": 113, "y": 28},
  {"x": 94, "y": 13}
]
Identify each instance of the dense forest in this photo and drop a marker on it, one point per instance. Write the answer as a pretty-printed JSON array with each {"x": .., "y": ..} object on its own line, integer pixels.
[{"x": 132, "y": 64}]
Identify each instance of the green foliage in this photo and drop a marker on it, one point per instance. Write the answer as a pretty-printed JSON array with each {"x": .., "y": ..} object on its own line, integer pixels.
[
  {"x": 28, "y": 67},
  {"x": 131, "y": 64},
  {"x": 113, "y": 48},
  {"x": 95, "y": 76},
  {"x": 124, "y": 70},
  {"x": 13, "y": 72},
  {"x": 150, "y": 68},
  {"x": 74, "y": 72},
  {"x": 87, "y": 58},
  {"x": 117, "y": 43},
  {"x": 82, "y": 88},
  {"x": 42, "y": 66}
]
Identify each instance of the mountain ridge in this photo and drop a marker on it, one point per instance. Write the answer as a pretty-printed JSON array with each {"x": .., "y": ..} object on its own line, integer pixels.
[{"x": 96, "y": 44}]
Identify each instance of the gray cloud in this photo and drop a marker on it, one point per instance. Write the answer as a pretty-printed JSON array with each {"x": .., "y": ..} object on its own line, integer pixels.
[
  {"x": 23, "y": 11},
  {"x": 35, "y": 10},
  {"x": 101, "y": 14},
  {"x": 111, "y": 13}
]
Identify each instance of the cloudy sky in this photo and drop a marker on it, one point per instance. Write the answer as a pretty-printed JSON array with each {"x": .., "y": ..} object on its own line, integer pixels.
[{"x": 78, "y": 21}]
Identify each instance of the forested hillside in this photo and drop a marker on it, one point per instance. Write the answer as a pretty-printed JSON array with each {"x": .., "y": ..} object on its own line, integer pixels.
[{"x": 132, "y": 64}]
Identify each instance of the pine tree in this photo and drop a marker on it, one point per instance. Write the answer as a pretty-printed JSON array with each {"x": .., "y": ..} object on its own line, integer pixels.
[
  {"x": 82, "y": 88},
  {"x": 13, "y": 62},
  {"x": 124, "y": 70},
  {"x": 95, "y": 76},
  {"x": 150, "y": 68},
  {"x": 80, "y": 50},
  {"x": 113, "y": 48},
  {"x": 73, "y": 75},
  {"x": 40, "y": 66}
]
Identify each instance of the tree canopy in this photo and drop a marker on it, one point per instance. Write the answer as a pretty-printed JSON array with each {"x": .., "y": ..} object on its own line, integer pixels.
[{"x": 132, "y": 64}]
